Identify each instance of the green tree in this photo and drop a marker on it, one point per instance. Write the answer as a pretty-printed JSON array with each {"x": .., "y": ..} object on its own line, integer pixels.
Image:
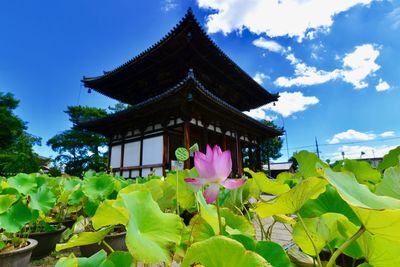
[
  {"x": 16, "y": 145},
  {"x": 79, "y": 149},
  {"x": 269, "y": 148}
]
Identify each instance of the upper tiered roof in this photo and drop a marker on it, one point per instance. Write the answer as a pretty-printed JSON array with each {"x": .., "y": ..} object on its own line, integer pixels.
[{"x": 167, "y": 62}]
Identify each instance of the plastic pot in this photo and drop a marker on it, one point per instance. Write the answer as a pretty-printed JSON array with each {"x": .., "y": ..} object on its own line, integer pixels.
[{"x": 19, "y": 257}]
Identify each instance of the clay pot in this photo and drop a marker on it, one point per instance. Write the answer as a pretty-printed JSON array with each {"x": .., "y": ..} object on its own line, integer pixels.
[
  {"x": 46, "y": 242},
  {"x": 19, "y": 257},
  {"x": 115, "y": 240}
]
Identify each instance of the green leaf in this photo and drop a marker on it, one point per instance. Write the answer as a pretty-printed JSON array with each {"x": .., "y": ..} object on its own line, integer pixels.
[
  {"x": 121, "y": 259},
  {"x": 153, "y": 186},
  {"x": 43, "y": 200},
  {"x": 98, "y": 187},
  {"x": 379, "y": 214},
  {"x": 389, "y": 160},
  {"x": 390, "y": 185},
  {"x": 24, "y": 183},
  {"x": 220, "y": 251},
  {"x": 363, "y": 171},
  {"x": 94, "y": 260},
  {"x": 15, "y": 218},
  {"x": 76, "y": 197},
  {"x": 6, "y": 201},
  {"x": 150, "y": 233},
  {"x": 91, "y": 207},
  {"x": 267, "y": 185},
  {"x": 323, "y": 230},
  {"x": 84, "y": 238},
  {"x": 70, "y": 261},
  {"x": 307, "y": 162},
  {"x": 194, "y": 148},
  {"x": 186, "y": 192},
  {"x": 292, "y": 201},
  {"x": 209, "y": 213},
  {"x": 379, "y": 251},
  {"x": 181, "y": 154},
  {"x": 328, "y": 202},
  {"x": 273, "y": 253},
  {"x": 237, "y": 224},
  {"x": 199, "y": 229},
  {"x": 108, "y": 213}
]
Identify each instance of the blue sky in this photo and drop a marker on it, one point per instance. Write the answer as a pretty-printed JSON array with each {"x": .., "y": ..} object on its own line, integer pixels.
[{"x": 335, "y": 63}]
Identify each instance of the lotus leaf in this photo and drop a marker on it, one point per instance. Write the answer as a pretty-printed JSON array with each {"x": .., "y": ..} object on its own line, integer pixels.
[
  {"x": 292, "y": 201},
  {"x": 110, "y": 212},
  {"x": 389, "y": 160},
  {"x": 379, "y": 214},
  {"x": 84, "y": 238},
  {"x": 43, "y": 200},
  {"x": 6, "y": 201},
  {"x": 150, "y": 232},
  {"x": 221, "y": 251},
  {"x": 24, "y": 183},
  {"x": 96, "y": 187},
  {"x": 390, "y": 185},
  {"x": 15, "y": 217},
  {"x": 267, "y": 185}
]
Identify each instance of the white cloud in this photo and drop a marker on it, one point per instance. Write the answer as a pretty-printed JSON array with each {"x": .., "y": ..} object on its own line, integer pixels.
[
  {"x": 269, "y": 45},
  {"x": 354, "y": 152},
  {"x": 357, "y": 66},
  {"x": 296, "y": 18},
  {"x": 168, "y": 5},
  {"x": 287, "y": 104},
  {"x": 259, "y": 77},
  {"x": 387, "y": 134},
  {"x": 382, "y": 86},
  {"x": 353, "y": 135}
]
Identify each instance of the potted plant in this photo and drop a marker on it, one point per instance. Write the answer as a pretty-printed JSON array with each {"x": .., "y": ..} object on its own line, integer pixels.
[
  {"x": 15, "y": 247},
  {"x": 39, "y": 193}
]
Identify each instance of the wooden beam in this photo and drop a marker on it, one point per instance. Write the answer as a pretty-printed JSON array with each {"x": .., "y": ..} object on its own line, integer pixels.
[
  {"x": 141, "y": 154},
  {"x": 251, "y": 158},
  {"x": 109, "y": 156},
  {"x": 186, "y": 140},
  {"x": 122, "y": 158},
  {"x": 258, "y": 156},
  {"x": 165, "y": 150},
  {"x": 239, "y": 158},
  {"x": 205, "y": 136}
]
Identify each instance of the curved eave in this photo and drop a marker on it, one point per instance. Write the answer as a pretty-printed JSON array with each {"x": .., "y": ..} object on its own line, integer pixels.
[
  {"x": 247, "y": 82},
  {"x": 95, "y": 125}
]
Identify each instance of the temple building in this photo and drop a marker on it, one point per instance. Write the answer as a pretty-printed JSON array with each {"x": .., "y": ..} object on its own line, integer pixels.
[{"x": 182, "y": 90}]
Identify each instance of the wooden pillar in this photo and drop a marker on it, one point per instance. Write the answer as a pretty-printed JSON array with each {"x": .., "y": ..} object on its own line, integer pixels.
[
  {"x": 251, "y": 160},
  {"x": 141, "y": 153},
  {"x": 205, "y": 136},
  {"x": 165, "y": 150},
  {"x": 239, "y": 158},
  {"x": 186, "y": 140},
  {"x": 258, "y": 156},
  {"x": 109, "y": 157},
  {"x": 122, "y": 156},
  {"x": 224, "y": 140}
]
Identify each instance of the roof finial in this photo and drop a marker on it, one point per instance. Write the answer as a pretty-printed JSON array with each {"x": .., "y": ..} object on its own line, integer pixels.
[{"x": 190, "y": 73}]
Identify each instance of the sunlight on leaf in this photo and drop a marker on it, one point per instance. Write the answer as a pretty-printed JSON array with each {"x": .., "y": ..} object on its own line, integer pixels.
[{"x": 267, "y": 185}]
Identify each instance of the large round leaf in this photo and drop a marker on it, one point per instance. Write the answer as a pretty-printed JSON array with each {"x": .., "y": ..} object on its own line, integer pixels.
[
  {"x": 390, "y": 185},
  {"x": 150, "y": 233},
  {"x": 98, "y": 186},
  {"x": 15, "y": 218},
  {"x": 220, "y": 251},
  {"x": 84, "y": 238},
  {"x": 6, "y": 201},
  {"x": 329, "y": 201},
  {"x": 108, "y": 213},
  {"x": 363, "y": 171},
  {"x": 237, "y": 224},
  {"x": 389, "y": 160},
  {"x": 267, "y": 185},
  {"x": 24, "y": 183},
  {"x": 379, "y": 214},
  {"x": 307, "y": 162},
  {"x": 273, "y": 253},
  {"x": 43, "y": 200},
  {"x": 292, "y": 201}
]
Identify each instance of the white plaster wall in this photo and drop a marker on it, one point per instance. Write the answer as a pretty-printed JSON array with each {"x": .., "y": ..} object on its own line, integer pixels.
[
  {"x": 115, "y": 161},
  {"x": 132, "y": 154},
  {"x": 153, "y": 150},
  {"x": 157, "y": 171}
]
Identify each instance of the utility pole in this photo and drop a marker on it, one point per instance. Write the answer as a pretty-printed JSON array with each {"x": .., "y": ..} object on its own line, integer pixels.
[{"x": 316, "y": 145}]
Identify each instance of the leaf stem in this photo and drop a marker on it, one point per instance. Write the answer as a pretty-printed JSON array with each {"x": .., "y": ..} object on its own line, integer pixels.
[
  {"x": 219, "y": 217},
  {"x": 108, "y": 246},
  {"x": 177, "y": 190},
  {"x": 339, "y": 251},
  {"x": 309, "y": 237}
]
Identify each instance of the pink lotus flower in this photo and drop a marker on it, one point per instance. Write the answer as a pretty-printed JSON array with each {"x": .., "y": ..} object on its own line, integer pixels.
[{"x": 214, "y": 168}]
